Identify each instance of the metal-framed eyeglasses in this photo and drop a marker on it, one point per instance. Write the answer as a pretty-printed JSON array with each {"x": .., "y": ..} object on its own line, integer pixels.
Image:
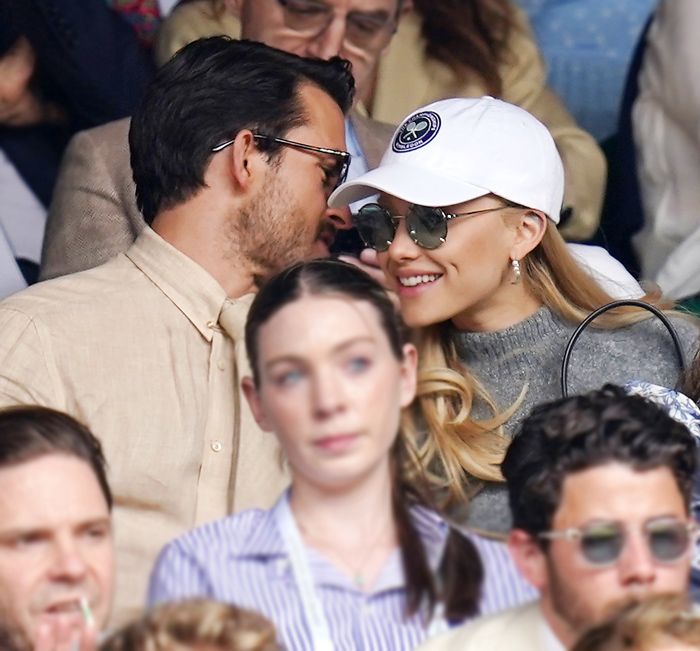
[
  {"x": 601, "y": 543},
  {"x": 334, "y": 175},
  {"x": 426, "y": 225}
]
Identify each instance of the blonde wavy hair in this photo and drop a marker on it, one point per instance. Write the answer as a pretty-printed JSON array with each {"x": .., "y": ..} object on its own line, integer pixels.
[
  {"x": 194, "y": 624},
  {"x": 458, "y": 448},
  {"x": 658, "y": 623}
]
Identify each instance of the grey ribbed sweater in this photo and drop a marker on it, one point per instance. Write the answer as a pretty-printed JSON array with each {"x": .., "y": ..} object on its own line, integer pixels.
[{"x": 531, "y": 353}]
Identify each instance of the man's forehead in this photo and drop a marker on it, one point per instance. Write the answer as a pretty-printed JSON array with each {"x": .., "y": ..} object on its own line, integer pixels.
[
  {"x": 617, "y": 491},
  {"x": 49, "y": 482},
  {"x": 345, "y": 5},
  {"x": 323, "y": 118}
]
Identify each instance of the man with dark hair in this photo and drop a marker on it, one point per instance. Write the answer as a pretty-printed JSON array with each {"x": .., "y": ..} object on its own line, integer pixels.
[
  {"x": 94, "y": 214},
  {"x": 235, "y": 148},
  {"x": 56, "y": 549},
  {"x": 599, "y": 489}
]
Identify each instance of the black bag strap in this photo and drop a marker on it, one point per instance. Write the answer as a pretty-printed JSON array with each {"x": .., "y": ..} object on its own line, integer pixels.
[{"x": 604, "y": 308}]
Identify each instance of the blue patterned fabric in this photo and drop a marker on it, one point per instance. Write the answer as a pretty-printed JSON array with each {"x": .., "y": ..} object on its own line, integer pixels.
[
  {"x": 684, "y": 410},
  {"x": 677, "y": 404},
  {"x": 587, "y": 45}
]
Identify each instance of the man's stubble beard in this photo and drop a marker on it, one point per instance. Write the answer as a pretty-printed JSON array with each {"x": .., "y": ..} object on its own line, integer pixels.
[
  {"x": 572, "y": 610},
  {"x": 268, "y": 232}
]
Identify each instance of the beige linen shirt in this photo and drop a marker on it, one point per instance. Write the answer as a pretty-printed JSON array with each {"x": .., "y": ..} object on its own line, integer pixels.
[{"x": 134, "y": 350}]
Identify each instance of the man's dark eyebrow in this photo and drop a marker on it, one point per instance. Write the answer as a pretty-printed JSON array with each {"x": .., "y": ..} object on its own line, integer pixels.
[{"x": 9, "y": 534}]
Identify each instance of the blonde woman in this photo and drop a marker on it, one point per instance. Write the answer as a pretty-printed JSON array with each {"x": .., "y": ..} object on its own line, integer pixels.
[{"x": 470, "y": 193}]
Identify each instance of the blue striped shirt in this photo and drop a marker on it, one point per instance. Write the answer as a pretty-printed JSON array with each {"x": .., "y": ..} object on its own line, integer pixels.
[{"x": 242, "y": 560}]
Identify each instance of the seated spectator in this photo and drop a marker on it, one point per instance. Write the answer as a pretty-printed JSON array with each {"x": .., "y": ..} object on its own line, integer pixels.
[
  {"x": 665, "y": 119},
  {"x": 599, "y": 488},
  {"x": 56, "y": 551},
  {"x": 352, "y": 557},
  {"x": 64, "y": 66},
  {"x": 661, "y": 623},
  {"x": 199, "y": 625},
  {"x": 235, "y": 149},
  {"x": 480, "y": 268}
]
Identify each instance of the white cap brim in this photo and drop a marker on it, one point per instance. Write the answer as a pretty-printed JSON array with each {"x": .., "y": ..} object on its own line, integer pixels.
[{"x": 407, "y": 183}]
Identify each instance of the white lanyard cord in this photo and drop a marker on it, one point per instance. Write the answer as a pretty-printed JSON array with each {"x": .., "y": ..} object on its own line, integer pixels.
[{"x": 311, "y": 605}]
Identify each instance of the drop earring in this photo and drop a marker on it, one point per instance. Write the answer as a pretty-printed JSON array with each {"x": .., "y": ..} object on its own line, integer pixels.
[{"x": 516, "y": 271}]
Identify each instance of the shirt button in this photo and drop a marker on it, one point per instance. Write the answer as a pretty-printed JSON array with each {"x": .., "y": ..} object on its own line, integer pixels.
[
  {"x": 217, "y": 446},
  {"x": 221, "y": 365}
]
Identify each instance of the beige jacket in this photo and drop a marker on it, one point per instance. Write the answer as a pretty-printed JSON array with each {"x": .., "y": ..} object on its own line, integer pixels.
[
  {"x": 93, "y": 214},
  {"x": 408, "y": 79},
  {"x": 518, "y": 629}
]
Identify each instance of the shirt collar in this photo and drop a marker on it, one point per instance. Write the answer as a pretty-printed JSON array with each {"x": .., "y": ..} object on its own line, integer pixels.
[
  {"x": 550, "y": 642},
  {"x": 265, "y": 543},
  {"x": 191, "y": 289}
]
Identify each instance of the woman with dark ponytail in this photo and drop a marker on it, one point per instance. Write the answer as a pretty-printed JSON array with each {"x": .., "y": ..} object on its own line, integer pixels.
[{"x": 352, "y": 556}]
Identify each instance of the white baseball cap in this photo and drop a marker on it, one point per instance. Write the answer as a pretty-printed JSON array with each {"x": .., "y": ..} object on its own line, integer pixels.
[{"x": 455, "y": 150}]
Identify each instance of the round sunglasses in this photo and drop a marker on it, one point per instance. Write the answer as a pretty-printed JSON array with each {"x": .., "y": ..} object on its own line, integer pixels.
[
  {"x": 601, "y": 543},
  {"x": 426, "y": 225}
]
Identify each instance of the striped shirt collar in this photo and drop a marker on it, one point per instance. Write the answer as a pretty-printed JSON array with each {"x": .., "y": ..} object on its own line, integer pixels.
[{"x": 265, "y": 544}]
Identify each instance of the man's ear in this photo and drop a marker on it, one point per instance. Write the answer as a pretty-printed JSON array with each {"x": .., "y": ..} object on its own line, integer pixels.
[
  {"x": 255, "y": 404},
  {"x": 244, "y": 159},
  {"x": 529, "y": 557},
  {"x": 529, "y": 228}
]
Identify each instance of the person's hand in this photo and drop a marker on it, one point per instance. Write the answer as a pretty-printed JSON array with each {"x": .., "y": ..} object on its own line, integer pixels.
[
  {"x": 65, "y": 634},
  {"x": 369, "y": 264}
]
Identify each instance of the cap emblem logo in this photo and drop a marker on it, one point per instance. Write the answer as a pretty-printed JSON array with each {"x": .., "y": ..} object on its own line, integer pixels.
[{"x": 416, "y": 132}]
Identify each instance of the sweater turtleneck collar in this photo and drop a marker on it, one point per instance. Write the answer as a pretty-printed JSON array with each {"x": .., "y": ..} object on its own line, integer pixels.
[{"x": 540, "y": 325}]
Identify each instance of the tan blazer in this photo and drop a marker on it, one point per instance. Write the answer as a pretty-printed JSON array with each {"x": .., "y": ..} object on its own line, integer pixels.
[
  {"x": 93, "y": 214},
  {"x": 407, "y": 79},
  {"x": 518, "y": 629}
]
